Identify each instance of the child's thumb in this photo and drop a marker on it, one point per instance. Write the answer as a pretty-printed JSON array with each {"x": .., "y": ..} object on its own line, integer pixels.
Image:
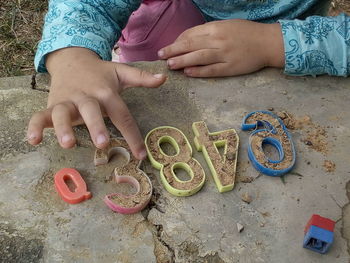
[{"x": 134, "y": 77}]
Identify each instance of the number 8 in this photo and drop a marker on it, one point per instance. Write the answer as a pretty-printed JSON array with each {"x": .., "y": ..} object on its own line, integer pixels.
[{"x": 181, "y": 160}]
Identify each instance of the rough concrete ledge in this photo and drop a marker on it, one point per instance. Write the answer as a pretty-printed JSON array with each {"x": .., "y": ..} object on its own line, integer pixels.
[{"x": 37, "y": 226}]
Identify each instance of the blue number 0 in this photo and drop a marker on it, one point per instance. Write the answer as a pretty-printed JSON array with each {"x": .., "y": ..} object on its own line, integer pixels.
[{"x": 269, "y": 129}]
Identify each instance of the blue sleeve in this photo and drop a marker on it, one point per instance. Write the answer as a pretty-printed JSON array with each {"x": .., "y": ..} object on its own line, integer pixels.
[
  {"x": 318, "y": 45},
  {"x": 92, "y": 24}
]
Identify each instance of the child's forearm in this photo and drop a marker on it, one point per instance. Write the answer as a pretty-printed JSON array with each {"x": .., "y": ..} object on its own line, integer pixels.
[
  {"x": 63, "y": 59},
  {"x": 318, "y": 45},
  {"x": 273, "y": 41},
  {"x": 95, "y": 25}
]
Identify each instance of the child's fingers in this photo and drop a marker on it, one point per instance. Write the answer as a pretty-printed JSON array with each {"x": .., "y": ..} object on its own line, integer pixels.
[
  {"x": 121, "y": 117},
  {"x": 62, "y": 123},
  {"x": 90, "y": 111},
  {"x": 185, "y": 45},
  {"x": 37, "y": 123},
  {"x": 195, "y": 58},
  {"x": 134, "y": 77},
  {"x": 213, "y": 70}
]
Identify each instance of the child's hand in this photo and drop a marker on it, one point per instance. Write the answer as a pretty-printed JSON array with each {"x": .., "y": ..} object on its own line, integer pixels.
[
  {"x": 226, "y": 48},
  {"x": 83, "y": 90}
]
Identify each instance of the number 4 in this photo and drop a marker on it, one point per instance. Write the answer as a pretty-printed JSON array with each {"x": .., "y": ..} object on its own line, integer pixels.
[{"x": 223, "y": 168}]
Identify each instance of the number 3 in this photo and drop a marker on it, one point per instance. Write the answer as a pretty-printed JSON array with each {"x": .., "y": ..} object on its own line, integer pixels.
[{"x": 129, "y": 173}]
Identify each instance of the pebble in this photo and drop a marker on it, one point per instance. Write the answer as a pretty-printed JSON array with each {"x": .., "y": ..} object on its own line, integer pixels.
[
  {"x": 240, "y": 227},
  {"x": 246, "y": 198},
  {"x": 230, "y": 156},
  {"x": 309, "y": 143}
]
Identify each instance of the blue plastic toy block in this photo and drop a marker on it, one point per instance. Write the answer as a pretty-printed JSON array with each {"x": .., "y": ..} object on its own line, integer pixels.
[{"x": 318, "y": 239}]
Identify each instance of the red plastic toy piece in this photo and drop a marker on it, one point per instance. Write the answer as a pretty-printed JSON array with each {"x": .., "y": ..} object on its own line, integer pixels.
[
  {"x": 321, "y": 222},
  {"x": 80, "y": 193}
]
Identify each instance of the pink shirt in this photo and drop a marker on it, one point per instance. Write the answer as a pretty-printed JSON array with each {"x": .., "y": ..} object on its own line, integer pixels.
[{"x": 156, "y": 24}]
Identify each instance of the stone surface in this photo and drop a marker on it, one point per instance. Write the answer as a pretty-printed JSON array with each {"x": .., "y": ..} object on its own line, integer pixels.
[{"x": 37, "y": 226}]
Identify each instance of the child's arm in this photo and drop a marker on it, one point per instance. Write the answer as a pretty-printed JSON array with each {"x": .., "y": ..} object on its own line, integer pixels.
[
  {"x": 92, "y": 24},
  {"x": 84, "y": 88},
  {"x": 318, "y": 45}
]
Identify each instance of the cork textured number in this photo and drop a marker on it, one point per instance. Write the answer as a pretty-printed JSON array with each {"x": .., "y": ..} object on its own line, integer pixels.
[
  {"x": 223, "y": 168},
  {"x": 167, "y": 164},
  {"x": 129, "y": 173},
  {"x": 269, "y": 129},
  {"x": 80, "y": 192}
]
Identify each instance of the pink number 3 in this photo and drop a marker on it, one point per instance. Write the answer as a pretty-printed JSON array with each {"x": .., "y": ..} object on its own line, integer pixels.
[{"x": 129, "y": 173}]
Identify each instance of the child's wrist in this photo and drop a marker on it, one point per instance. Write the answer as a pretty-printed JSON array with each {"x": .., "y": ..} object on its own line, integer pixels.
[
  {"x": 67, "y": 57},
  {"x": 274, "y": 46}
]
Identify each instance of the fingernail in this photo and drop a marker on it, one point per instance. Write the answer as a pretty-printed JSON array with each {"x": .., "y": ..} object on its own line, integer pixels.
[
  {"x": 101, "y": 139},
  {"x": 66, "y": 138},
  {"x": 171, "y": 62},
  {"x": 143, "y": 154},
  {"x": 31, "y": 137},
  {"x": 160, "y": 53},
  {"x": 158, "y": 76}
]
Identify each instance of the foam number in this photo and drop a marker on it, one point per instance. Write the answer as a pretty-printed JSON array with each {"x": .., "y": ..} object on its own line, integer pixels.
[
  {"x": 129, "y": 173},
  {"x": 223, "y": 168},
  {"x": 80, "y": 192},
  {"x": 272, "y": 131},
  {"x": 167, "y": 164}
]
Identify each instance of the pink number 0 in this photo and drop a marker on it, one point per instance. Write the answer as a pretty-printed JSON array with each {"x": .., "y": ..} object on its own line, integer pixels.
[{"x": 80, "y": 193}]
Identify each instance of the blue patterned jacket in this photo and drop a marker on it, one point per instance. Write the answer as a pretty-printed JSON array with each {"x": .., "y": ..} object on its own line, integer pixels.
[{"x": 317, "y": 45}]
